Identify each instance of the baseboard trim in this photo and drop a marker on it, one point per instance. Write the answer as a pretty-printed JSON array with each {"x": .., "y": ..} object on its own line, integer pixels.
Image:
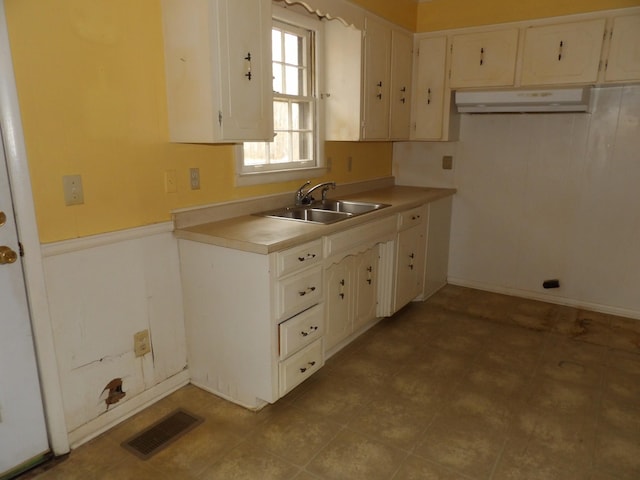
[
  {"x": 569, "y": 302},
  {"x": 110, "y": 419},
  {"x": 76, "y": 244}
]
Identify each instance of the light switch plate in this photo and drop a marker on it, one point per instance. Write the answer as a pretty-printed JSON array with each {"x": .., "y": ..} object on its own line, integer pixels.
[
  {"x": 141, "y": 345},
  {"x": 72, "y": 187},
  {"x": 447, "y": 162}
]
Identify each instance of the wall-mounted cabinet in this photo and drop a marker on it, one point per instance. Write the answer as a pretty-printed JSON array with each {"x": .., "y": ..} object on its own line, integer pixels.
[
  {"x": 367, "y": 82},
  {"x": 484, "y": 59},
  {"x": 623, "y": 58},
  {"x": 432, "y": 115},
  {"x": 218, "y": 70},
  {"x": 401, "y": 81},
  {"x": 562, "y": 53}
]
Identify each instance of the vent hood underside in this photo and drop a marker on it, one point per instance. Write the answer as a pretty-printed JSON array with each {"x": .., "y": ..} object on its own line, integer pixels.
[{"x": 540, "y": 100}]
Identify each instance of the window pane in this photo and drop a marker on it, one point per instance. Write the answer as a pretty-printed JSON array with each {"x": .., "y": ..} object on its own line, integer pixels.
[
  {"x": 302, "y": 146},
  {"x": 255, "y": 153},
  {"x": 276, "y": 45},
  {"x": 280, "y": 148},
  {"x": 301, "y": 116},
  {"x": 277, "y": 78},
  {"x": 292, "y": 49},
  {"x": 281, "y": 115},
  {"x": 292, "y": 81}
]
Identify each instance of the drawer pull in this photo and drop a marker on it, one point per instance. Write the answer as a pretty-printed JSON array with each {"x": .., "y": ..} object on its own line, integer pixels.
[
  {"x": 308, "y": 290},
  {"x": 308, "y": 256},
  {"x": 304, "y": 334},
  {"x": 312, "y": 328},
  {"x": 415, "y": 217}
]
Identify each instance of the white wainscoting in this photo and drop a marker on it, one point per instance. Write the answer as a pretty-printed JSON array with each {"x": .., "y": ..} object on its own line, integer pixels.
[{"x": 101, "y": 290}]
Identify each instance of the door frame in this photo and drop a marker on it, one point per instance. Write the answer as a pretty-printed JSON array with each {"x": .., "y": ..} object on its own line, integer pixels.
[{"x": 22, "y": 196}]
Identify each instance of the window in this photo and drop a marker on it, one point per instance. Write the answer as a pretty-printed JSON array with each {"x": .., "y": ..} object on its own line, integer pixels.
[{"x": 295, "y": 146}]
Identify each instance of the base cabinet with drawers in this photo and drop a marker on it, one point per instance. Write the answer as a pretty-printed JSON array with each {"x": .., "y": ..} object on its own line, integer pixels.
[
  {"x": 254, "y": 322},
  {"x": 258, "y": 325}
]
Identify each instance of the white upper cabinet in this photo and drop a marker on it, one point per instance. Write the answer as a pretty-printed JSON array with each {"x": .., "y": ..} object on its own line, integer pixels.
[
  {"x": 563, "y": 53},
  {"x": 429, "y": 91},
  {"x": 484, "y": 59},
  {"x": 623, "y": 60},
  {"x": 377, "y": 67},
  {"x": 401, "y": 70},
  {"x": 218, "y": 68},
  {"x": 367, "y": 79}
]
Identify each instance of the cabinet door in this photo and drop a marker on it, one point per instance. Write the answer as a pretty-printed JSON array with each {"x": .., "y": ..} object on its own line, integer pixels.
[
  {"x": 365, "y": 286},
  {"x": 410, "y": 265},
  {"x": 377, "y": 56},
  {"x": 338, "y": 303},
  {"x": 207, "y": 46},
  {"x": 623, "y": 61},
  {"x": 401, "y": 68},
  {"x": 429, "y": 88},
  {"x": 246, "y": 109},
  {"x": 484, "y": 59},
  {"x": 565, "y": 53}
]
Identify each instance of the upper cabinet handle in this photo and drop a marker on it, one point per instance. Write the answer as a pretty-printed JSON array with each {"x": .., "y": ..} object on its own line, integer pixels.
[
  {"x": 482, "y": 56},
  {"x": 248, "y": 59},
  {"x": 560, "y": 50}
]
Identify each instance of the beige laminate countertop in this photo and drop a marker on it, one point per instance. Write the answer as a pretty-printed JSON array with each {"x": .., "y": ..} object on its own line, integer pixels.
[{"x": 264, "y": 235}]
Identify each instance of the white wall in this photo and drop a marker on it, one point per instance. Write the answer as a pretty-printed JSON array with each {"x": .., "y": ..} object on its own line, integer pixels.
[
  {"x": 544, "y": 196},
  {"x": 101, "y": 290}
]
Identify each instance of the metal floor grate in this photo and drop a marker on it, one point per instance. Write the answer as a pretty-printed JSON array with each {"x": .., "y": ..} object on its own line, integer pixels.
[{"x": 162, "y": 433}]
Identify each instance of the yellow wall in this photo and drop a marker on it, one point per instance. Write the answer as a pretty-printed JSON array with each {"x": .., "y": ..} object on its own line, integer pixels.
[
  {"x": 445, "y": 14},
  {"x": 90, "y": 79},
  {"x": 400, "y": 12}
]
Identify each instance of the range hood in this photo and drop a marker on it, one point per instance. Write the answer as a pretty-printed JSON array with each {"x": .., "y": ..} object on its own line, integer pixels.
[{"x": 540, "y": 100}]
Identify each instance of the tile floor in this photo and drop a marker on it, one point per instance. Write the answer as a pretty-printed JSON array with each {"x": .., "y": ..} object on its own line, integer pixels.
[{"x": 468, "y": 385}]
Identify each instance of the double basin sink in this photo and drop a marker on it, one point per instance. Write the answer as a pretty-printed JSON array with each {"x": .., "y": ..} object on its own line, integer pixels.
[{"x": 324, "y": 212}]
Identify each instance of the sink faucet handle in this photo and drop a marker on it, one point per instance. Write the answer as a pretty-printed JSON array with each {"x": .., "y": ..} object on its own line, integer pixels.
[
  {"x": 326, "y": 188},
  {"x": 300, "y": 192}
]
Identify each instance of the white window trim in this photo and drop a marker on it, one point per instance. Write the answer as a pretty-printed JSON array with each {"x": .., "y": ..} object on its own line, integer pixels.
[{"x": 276, "y": 176}]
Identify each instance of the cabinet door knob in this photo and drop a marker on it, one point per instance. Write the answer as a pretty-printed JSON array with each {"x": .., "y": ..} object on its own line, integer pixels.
[{"x": 560, "y": 50}]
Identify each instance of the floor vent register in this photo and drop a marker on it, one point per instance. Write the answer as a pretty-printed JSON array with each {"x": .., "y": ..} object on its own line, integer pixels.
[{"x": 162, "y": 433}]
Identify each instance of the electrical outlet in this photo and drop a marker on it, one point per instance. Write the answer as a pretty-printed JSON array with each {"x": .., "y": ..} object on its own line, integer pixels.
[
  {"x": 447, "y": 162},
  {"x": 72, "y": 187},
  {"x": 170, "y": 181},
  {"x": 141, "y": 344},
  {"x": 194, "y": 176}
]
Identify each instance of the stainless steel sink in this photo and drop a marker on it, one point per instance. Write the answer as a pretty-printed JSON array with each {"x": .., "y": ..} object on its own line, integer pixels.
[
  {"x": 348, "y": 206},
  {"x": 324, "y": 212}
]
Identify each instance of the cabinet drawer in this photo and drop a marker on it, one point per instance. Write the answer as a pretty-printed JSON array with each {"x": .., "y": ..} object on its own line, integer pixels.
[
  {"x": 300, "y": 366},
  {"x": 298, "y": 257},
  {"x": 301, "y": 330},
  {"x": 412, "y": 217},
  {"x": 362, "y": 237},
  {"x": 298, "y": 292}
]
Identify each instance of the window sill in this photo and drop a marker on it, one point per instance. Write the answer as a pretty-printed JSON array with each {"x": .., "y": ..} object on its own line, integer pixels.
[{"x": 247, "y": 179}]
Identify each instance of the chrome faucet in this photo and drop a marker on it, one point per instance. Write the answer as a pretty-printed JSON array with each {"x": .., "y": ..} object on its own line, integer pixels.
[{"x": 305, "y": 198}]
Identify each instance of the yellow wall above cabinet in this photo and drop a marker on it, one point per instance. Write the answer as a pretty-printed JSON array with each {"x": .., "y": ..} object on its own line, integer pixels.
[
  {"x": 449, "y": 14},
  {"x": 91, "y": 87}
]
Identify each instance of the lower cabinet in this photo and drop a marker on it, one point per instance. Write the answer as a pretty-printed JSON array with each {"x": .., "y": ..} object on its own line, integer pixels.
[
  {"x": 350, "y": 295},
  {"x": 259, "y": 325},
  {"x": 410, "y": 256}
]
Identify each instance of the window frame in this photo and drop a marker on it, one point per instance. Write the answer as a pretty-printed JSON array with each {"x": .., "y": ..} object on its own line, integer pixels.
[{"x": 281, "y": 175}]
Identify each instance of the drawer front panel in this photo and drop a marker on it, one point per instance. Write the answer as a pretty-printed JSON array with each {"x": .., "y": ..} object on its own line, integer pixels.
[
  {"x": 301, "y": 330},
  {"x": 298, "y": 257},
  {"x": 300, "y": 366},
  {"x": 412, "y": 217},
  {"x": 362, "y": 236},
  {"x": 298, "y": 292}
]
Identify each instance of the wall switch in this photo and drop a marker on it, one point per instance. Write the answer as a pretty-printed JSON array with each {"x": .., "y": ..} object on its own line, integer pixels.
[
  {"x": 447, "y": 162},
  {"x": 194, "y": 176},
  {"x": 170, "y": 181},
  {"x": 72, "y": 187},
  {"x": 349, "y": 164},
  {"x": 141, "y": 344}
]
